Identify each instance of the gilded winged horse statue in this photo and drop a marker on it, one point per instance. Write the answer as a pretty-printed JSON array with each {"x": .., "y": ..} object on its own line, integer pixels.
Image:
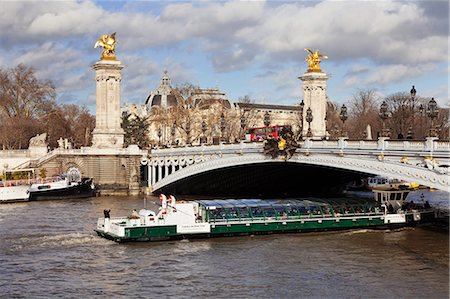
[
  {"x": 108, "y": 43},
  {"x": 314, "y": 60}
]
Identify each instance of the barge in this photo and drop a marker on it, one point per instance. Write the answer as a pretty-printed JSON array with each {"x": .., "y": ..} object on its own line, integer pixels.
[{"x": 215, "y": 218}]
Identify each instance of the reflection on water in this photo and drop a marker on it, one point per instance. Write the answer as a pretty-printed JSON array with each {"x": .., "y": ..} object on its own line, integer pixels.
[{"x": 49, "y": 249}]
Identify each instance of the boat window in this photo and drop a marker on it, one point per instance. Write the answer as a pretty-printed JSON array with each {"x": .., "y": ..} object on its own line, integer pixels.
[
  {"x": 257, "y": 212},
  {"x": 268, "y": 211},
  {"x": 279, "y": 209},
  {"x": 292, "y": 210},
  {"x": 244, "y": 212},
  {"x": 42, "y": 187},
  {"x": 232, "y": 213}
]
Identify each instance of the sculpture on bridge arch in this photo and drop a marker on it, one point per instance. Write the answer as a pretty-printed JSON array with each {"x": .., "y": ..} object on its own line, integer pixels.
[{"x": 285, "y": 145}]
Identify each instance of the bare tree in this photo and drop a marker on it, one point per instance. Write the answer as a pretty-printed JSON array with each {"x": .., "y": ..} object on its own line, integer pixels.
[
  {"x": 22, "y": 94},
  {"x": 363, "y": 108}
]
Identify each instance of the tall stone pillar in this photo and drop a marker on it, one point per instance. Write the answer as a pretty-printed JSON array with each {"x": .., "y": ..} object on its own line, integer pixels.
[
  {"x": 315, "y": 97},
  {"x": 108, "y": 132}
]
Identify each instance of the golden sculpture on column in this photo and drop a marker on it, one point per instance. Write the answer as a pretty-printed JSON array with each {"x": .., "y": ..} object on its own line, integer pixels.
[
  {"x": 108, "y": 43},
  {"x": 314, "y": 60}
]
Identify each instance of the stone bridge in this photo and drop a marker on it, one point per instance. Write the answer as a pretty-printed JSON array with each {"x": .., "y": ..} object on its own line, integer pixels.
[{"x": 188, "y": 170}]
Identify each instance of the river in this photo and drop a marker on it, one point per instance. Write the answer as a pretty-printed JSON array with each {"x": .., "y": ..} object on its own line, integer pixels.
[{"x": 48, "y": 250}]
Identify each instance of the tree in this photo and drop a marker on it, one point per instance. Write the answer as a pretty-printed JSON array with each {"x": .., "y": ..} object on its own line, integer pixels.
[
  {"x": 23, "y": 100},
  {"x": 22, "y": 94},
  {"x": 363, "y": 108},
  {"x": 28, "y": 107},
  {"x": 136, "y": 130}
]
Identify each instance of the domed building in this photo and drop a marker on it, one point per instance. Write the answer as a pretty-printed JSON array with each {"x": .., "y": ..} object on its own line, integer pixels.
[{"x": 164, "y": 96}]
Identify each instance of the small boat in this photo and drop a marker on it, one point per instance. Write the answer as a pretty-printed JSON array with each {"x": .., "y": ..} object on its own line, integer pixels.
[
  {"x": 62, "y": 188},
  {"x": 214, "y": 218},
  {"x": 384, "y": 183}
]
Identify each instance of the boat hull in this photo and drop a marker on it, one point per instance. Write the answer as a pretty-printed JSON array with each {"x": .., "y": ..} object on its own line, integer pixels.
[{"x": 169, "y": 232}]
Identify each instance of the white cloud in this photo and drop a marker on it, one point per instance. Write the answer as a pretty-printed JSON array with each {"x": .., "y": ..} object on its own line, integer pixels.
[
  {"x": 64, "y": 66},
  {"x": 387, "y": 74}
]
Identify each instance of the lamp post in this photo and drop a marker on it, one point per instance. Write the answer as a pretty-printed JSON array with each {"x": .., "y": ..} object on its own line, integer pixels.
[
  {"x": 267, "y": 119},
  {"x": 188, "y": 132},
  {"x": 432, "y": 112},
  {"x": 343, "y": 116},
  {"x": 243, "y": 125},
  {"x": 384, "y": 114},
  {"x": 222, "y": 126},
  {"x": 421, "y": 112},
  {"x": 309, "y": 119},
  {"x": 302, "y": 106},
  {"x": 172, "y": 132},
  {"x": 410, "y": 134},
  {"x": 204, "y": 140},
  {"x": 159, "y": 136}
]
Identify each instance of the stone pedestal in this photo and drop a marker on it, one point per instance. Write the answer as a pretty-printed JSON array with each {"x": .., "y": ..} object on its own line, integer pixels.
[
  {"x": 314, "y": 96},
  {"x": 108, "y": 132}
]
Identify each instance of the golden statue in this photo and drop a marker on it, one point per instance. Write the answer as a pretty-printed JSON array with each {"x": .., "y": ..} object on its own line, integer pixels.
[
  {"x": 314, "y": 60},
  {"x": 109, "y": 44}
]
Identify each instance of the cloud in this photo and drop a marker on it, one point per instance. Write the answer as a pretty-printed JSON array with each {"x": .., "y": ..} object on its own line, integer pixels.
[
  {"x": 385, "y": 41},
  {"x": 386, "y": 74},
  {"x": 64, "y": 66}
]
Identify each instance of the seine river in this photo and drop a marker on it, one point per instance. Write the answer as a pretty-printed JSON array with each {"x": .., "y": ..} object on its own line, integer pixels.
[{"x": 48, "y": 250}]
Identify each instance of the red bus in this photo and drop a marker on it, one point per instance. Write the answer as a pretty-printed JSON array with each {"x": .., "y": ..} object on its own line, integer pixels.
[{"x": 261, "y": 133}]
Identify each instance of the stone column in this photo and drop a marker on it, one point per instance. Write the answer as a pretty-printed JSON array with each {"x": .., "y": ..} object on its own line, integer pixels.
[
  {"x": 315, "y": 96},
  {"x": 108, "y": 132}
]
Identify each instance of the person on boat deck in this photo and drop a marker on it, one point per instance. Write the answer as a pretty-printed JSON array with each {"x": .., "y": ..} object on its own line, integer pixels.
[{"x": 134, "y": 215}]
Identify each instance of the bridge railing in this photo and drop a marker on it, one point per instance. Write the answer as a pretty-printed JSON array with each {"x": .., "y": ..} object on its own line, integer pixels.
[{"x": 431, "y": 145}]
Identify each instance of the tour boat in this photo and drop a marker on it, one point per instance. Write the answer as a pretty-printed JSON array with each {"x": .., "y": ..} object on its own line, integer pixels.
[
  {"x": 384, "y": 183},
  {"x": 62, "y": 188},
  {"x": 214, "y": 218}
]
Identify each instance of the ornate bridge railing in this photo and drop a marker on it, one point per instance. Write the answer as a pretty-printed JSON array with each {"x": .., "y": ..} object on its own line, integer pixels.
[{"x": 425, "y": 162}]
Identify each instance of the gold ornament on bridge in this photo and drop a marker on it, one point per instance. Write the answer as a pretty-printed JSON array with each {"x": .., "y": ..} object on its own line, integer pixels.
[
  {"x": 108, "y": 43},
  {"x": 314, "y": 60}
]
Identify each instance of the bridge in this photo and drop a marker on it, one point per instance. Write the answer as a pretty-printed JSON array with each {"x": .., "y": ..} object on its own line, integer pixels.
[{"x": 316, "y": 163}]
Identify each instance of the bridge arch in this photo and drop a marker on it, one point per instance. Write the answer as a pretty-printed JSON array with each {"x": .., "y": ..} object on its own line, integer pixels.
[{"x": 338, "y": 165}]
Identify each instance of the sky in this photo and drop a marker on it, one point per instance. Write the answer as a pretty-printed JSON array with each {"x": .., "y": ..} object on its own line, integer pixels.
[{"x": 244, "y": 48}]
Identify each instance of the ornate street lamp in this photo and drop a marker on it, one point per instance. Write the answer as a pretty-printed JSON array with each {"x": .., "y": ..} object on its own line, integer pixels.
[
  {"x": 410, "y": 134},
  {"x": 203, "y": 139},
  {"x": 309, "y": 119},
  {"x": 188, "y": 132},
  {"x": 243, "y": 125},
  {"x": 222, "y": 125},
  {"x": 432, "y": 112},
  {"x": 384, "y": 114},
  {"x": 172, "y": 132},
  {"x": 421, "y": 113},
  {"x": 267, "y": 119},
  {"x": 302, "y": 106},
  {"x": 159, "y": 136},
  {"x": 343, "y": 116}
]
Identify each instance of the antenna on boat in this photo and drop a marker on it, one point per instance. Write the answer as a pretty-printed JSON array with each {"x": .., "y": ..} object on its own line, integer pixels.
[{"x": 145, "y": 203}]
